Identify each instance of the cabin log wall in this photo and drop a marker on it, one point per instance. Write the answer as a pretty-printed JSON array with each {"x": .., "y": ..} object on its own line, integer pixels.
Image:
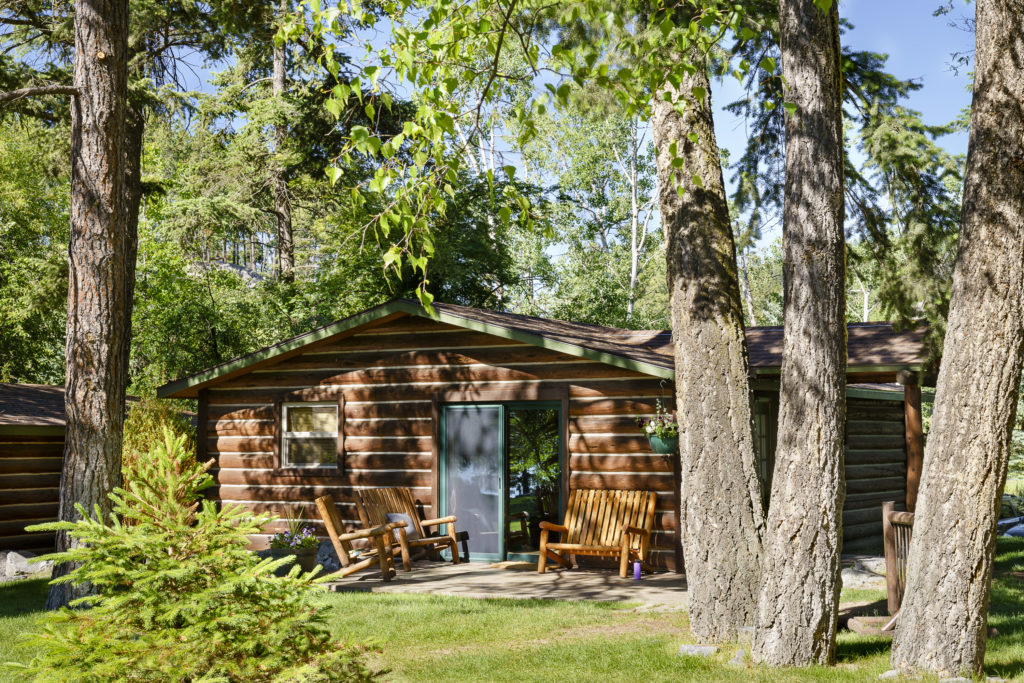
[
  {"x": 389, "y": 377},
  {"x": 30, "y": 469},
  {"x": 876, "y": 469}
]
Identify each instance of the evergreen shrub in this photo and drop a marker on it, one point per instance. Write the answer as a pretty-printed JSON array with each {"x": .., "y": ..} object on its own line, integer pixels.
[{"x": 177, "y": 596}]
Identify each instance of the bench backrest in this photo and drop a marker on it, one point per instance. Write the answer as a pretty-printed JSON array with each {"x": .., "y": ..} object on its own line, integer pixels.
[
  {"x": 334, "y": 526},
  {"x": 375, "y": 504},
  {"x": 595, "y": 517}
]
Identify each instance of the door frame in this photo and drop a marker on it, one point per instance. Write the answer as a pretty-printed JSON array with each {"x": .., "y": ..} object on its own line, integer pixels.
[{"x": 554, "y": 396}]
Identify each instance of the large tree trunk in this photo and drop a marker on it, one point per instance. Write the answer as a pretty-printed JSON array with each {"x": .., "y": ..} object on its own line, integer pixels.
[
  {"x": 98, "y": 296},
  {"x": 800, "y": 585},
  {"x": 942, "y": 625},
  {"x": 282, "y": 202},
  {"x": 721, "y": 516}
]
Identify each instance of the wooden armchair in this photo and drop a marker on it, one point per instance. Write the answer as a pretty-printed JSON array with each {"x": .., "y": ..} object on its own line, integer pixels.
[
  {"x": 377, "y": 553},
  {"x": 603, "y": 524},
  {"x": 376, "y": 504}
]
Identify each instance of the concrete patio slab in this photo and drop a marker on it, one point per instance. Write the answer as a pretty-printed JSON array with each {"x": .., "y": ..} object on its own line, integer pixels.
[{"x": 664, "y": 591}]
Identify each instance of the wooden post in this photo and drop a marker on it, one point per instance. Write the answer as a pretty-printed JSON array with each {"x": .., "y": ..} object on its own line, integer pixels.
[
  {"x": 889, "y": 542},
  {"x": 202, "y": 425},
  {"x": 915, "y": 441}
]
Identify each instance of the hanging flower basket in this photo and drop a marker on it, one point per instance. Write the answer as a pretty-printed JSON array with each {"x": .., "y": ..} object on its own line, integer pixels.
[
  {"x": 666, "y": 445},
  {"x": 662, "y": 430}
]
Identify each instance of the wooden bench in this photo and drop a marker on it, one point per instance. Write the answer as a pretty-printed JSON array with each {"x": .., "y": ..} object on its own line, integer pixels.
[
  {"x": 374, "y": 507},
  {"x": 604, "y": 524},
  {"x": 379, "y": 538}
]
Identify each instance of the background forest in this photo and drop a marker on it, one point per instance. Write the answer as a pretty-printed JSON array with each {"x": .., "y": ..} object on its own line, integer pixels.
[{"x": 244, "y": 241}]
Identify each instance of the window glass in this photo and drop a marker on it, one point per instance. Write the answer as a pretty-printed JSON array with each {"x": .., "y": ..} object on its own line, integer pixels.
[
  {"x": 318, "y": 418},
  {"x": 310, "y": 435}
]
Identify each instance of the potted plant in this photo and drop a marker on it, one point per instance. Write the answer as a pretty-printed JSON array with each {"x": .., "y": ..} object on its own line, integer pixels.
[
  {"x": 298, "y": 540},
  {"x": 662, "y": 429}
]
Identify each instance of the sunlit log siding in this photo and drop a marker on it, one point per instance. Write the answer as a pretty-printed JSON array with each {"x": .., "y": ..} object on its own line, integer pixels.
[{"x": 391, "y": 376}]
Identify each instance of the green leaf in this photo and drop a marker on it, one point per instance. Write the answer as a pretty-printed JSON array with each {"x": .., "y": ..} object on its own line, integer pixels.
[
  {"x": 510, "y": 171},
  {"x": 790, "y": 107},
  {"x": 768, "y": 64},
  {"x": 699, "y": 93},
  {"x": 333, "y": 174}
]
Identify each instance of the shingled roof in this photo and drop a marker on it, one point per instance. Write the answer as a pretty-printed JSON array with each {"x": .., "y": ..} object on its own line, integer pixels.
[
  {"x": 31, "y": 405},
  {"x": 871, "y": 346}
]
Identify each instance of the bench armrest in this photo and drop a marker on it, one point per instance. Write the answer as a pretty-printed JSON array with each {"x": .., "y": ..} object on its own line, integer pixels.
[
  {"x": 627, "y": 529},
  {"x": 450, "y": 519},
  {"x": 550, "y": 526},
  {"x": 520, "y": 515}
]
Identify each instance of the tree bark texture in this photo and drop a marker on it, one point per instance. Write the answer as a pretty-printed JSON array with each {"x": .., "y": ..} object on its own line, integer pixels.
[
  {"x": 282, "y": 202},
  {"x": 720, "y": 497},
  {"x": 800, "y": 583},
  {"x": 942, "y": 626},
  {"x": 99, "y": 299}
]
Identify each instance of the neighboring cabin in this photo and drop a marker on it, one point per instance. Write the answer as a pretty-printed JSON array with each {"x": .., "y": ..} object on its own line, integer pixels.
[
  {"x": 495, "y": 416},
  {"x": 31, "y": 455}
]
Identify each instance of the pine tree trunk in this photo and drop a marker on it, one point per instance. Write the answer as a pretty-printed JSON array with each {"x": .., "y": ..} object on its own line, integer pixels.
[
  {"x": 942, "y": 626},
  {"x": 721, "y": 516},
  {"x": 99, "y": 306},
  {"x": 282, "y": 202},
  {"x": 800, "y": 584}
]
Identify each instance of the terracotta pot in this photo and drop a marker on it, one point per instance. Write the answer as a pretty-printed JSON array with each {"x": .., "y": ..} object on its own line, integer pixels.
[
  {"x": 666, "y": 445},
  {"x": 304, "y": 557}
]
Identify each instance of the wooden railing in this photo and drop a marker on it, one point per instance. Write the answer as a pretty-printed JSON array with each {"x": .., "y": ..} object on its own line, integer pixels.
[{"x": 897, "y": 528}]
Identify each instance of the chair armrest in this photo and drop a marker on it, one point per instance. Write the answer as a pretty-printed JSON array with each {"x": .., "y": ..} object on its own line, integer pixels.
[
  {"x": 365, "y": 533},
  {"x": 450, "y": 519},
  {"x": 627, "y": 529},
  {"x": 550, "y": 526},
  {"x": 520, "y": 515}
]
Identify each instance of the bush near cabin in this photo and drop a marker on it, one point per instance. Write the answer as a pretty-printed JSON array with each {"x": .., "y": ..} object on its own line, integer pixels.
[{"x": 179, "y": 597}]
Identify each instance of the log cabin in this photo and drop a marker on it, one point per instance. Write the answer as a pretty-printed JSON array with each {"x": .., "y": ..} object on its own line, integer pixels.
[
  {"x": 31, "y": 457},
  {"x": 494, "y": 417}
]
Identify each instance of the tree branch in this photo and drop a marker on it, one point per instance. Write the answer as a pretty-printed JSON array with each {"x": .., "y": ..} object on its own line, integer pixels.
[{"x": 12, "y": 95}]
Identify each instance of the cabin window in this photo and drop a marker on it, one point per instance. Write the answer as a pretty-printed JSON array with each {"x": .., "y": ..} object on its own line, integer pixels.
[{"x": 309, "y": 437}]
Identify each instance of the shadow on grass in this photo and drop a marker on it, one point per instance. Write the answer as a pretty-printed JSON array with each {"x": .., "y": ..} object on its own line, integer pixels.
[
  {"x": 849, "y": 649},
  {"x": 1006, "y": 611},
  {"x": 23, "y": 597}
]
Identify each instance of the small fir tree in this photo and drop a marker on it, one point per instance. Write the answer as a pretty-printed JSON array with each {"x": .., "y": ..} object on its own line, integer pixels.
[{"x": 178, "y": 597}]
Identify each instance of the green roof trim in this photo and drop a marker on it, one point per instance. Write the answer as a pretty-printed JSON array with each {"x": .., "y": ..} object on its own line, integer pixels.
[
  {"x": 564, "y": 347},
  {"x": 199, "y": 380},
  {"x": 913, "y": 367},
  {"x": 31, "y": 430}
]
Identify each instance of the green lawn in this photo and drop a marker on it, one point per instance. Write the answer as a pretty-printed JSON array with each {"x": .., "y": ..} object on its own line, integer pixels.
[{"x": 431, "y": 638}]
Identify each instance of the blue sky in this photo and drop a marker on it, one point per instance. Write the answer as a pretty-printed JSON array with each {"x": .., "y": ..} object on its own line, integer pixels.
[{"x": 920, "y": 47}]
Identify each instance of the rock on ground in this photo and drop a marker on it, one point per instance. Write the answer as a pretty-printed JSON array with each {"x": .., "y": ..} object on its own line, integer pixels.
[{"x": 697, "y": 650}]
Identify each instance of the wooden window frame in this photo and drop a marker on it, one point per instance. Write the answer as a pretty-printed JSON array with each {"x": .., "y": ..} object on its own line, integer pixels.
[{"x": 315, "y": 396}]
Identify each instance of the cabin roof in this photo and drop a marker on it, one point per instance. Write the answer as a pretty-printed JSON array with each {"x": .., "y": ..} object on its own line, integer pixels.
[
  {"x": 872, "y": 347},
  {"x": 31, "y": 405}
]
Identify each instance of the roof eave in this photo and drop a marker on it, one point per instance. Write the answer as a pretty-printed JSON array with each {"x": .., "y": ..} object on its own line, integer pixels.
[{"x": 189, "y": 387}]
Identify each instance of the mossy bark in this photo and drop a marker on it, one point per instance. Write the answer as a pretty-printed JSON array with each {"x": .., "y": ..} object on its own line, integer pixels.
[
  {"x": 721, "y": 518},
  {"x": 942, "y": 626},
  {"x": 800, "y": 584}
]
